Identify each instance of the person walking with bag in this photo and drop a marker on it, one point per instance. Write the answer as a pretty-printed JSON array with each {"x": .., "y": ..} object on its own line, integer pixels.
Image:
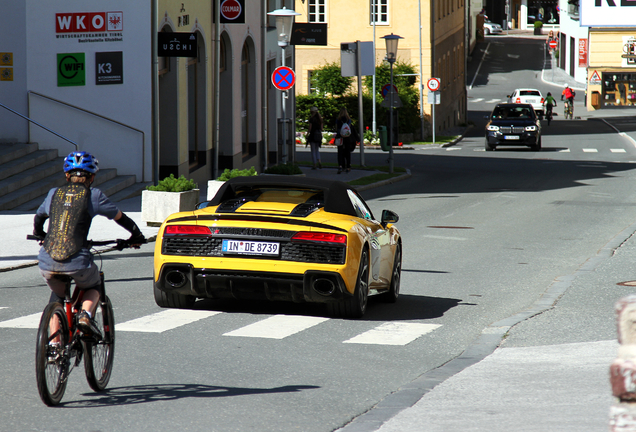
[
  {"x": 345, "y": 140},
  {"x": 314, "y": 136}
]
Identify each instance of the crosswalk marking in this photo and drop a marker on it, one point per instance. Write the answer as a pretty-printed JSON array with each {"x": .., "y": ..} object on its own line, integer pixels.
[
  {"x": 28, "y": 322},
  {"x": 164, "y": 320},
  {"x": 589, "y": 150},
  {"x": 393, "y": 333},
  {"x": 277, "y": 327},
  {"x": 618, "y": 150}
]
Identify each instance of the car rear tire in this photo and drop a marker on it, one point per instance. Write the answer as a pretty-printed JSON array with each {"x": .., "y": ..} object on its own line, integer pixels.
[
  {"x": 392, "y": 295},
  {"x": 176, "y": 301},
  {"x": 355, "y": 306}
]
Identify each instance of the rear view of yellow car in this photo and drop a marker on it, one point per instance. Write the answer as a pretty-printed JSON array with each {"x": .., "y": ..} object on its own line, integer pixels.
[{"x": 280, "y": 238}]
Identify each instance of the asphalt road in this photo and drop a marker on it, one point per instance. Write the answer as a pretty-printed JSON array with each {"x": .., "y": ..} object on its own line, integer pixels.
[{"x": 485, "y": 235}]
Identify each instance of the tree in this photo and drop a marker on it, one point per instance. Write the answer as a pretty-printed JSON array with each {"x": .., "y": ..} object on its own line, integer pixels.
[{"x": 328, "y": 80}]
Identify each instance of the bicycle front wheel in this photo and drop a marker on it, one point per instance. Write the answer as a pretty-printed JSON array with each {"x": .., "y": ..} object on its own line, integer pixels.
[
  {"x": 50, "y": 361},
  {"x": 99, "y": 355}
]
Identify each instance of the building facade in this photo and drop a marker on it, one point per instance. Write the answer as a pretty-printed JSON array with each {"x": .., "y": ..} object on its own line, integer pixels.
[
  {"x": 442, "y": 21},
  {"x": 93, "y": 74}
]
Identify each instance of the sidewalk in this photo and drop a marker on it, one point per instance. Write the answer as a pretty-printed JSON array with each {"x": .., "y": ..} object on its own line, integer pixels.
[{"x": 17, "y": 252}]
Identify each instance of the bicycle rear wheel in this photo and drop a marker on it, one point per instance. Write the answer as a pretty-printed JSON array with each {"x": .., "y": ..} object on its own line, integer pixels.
[
  {"x": 99, "y": 356},
  {"x": 50, "y": 362}
]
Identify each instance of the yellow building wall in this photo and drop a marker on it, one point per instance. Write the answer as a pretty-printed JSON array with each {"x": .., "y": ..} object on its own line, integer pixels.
[
  {"x": 349, "y": 20},
  {"x": 605, "y": 57}
]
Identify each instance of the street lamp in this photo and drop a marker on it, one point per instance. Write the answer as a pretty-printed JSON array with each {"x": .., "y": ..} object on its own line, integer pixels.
[
  {"x": 284, "y": 23},
  {"x": 391, "y": 55}
]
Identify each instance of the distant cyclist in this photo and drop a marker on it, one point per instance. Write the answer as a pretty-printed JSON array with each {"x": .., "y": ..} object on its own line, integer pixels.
[
  {"x": 568, "y": 94},
  {"x": 549, "y": 103},
  {"x": 71, "y": 209}
]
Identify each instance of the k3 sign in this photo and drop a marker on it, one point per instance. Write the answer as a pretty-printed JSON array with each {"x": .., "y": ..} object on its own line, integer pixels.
[
  {"x": 607, "y": 13},
  {"x": 109, "y": 68}
]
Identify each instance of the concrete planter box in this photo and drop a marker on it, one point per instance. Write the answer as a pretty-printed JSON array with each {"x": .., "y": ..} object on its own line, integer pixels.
[
  {"x": 157, "y": 206},
  {"x": 213, "y": 187}
]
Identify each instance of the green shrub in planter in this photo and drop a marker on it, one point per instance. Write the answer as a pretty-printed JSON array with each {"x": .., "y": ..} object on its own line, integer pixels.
[
  {"x": 227, "y": 174},
  {"x": 538, "y": 24},
  {"x": 289, "y": 168},
  {"x": 173, "y": 184}
]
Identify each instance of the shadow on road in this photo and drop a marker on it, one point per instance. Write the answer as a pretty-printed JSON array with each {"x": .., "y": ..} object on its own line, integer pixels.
[{"x": 163, "y": 392}]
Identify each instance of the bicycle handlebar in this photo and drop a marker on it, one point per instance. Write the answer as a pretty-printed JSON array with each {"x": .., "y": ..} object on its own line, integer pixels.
[{"x": 120, "y": 243}]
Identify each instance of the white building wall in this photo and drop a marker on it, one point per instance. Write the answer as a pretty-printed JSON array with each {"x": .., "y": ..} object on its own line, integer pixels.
[
  {"x": 571, "y": 28},
  {"x": 115, "y": 145}
]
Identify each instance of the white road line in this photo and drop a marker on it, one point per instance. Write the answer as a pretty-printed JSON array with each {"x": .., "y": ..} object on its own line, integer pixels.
[
  {"x": 476, "y": 100},
  {"x": 618, "y": 150},
  {"x": 444, "y": 237},
  {"x": 28, "y": 322},
  {"x": 164, "y": 320},
  {"x": 493, "y": 101},
  {"x": 453, "y": 148},
  {"x": 564, "y": 151},
  {"x": 393, "y": 333},
  {"x": 589, "y": 150},
  {"x": 277, "y": 327}
]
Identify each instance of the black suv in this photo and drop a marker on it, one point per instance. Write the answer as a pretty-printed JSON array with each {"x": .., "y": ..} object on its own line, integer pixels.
[{"x": 513, "y": 124}]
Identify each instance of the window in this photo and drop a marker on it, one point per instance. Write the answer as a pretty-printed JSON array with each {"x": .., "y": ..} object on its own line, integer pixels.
[
  {"x": 310, "y": 88},
  {"x": 379, "y": 12},
  {"x": 361, "y": 209},
  {"x": 317, "y": 11}
]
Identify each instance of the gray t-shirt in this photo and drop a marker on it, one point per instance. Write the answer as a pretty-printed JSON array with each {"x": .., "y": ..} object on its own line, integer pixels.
[{"x": 99, "y": 204}]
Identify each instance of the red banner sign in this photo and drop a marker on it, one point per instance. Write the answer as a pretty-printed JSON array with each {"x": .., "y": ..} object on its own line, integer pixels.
[{"x": 582, "y": 52}]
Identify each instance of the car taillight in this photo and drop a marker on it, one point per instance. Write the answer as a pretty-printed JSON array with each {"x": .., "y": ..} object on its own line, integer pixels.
[
  {"x": 188, "y": 229},
  {"x": 542, "y": 100},
  {"x": 320, "y": 237},
  {"x": 518, "y": 100}
]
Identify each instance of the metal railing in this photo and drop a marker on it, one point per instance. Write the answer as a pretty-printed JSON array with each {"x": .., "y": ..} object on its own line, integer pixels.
[
  {"x": 38, "y": 124},
  {"x": 143, "y": 135}
]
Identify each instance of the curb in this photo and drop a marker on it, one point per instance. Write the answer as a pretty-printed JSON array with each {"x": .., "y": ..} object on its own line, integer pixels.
[{"x": 384, "y": 182}]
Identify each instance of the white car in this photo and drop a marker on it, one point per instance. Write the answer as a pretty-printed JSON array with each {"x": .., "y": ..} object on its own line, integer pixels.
[
  {"x": 492, "y": 28},
  {"x": 528, "y": 96}
]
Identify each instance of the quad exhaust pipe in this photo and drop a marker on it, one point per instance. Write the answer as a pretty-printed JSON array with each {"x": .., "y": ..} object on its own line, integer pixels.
[
  {"x": 324, "y": 286},
  {"x": 176, "y": 278}
]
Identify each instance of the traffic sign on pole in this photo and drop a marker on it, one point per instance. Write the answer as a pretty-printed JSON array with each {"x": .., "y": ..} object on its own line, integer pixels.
[
  {"x": 283, "y": 78},
  {"x": 553, "y": 44},
  {"x": 433, "y": 84}
]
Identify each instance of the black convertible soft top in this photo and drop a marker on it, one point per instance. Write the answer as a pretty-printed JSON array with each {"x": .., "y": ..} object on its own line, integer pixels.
[{"x": 336, "y": 197}]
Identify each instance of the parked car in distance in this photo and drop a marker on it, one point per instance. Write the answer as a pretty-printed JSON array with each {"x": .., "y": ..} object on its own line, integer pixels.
[
  {"x": 528, "y": 96},
  {"x": 492, "y": 28},
  {"x": 280, "y": 238},
  {"x": 513, "y": 125}
]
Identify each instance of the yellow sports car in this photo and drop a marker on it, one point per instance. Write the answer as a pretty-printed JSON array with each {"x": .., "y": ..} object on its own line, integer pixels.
[{"x": 280, "y": 238}]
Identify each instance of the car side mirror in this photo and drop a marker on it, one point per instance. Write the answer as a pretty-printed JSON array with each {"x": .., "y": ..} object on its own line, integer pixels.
[{"x": 388, "y": 217}]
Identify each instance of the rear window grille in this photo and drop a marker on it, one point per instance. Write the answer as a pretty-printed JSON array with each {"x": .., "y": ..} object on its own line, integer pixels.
[{"x": 296, "y": 252}]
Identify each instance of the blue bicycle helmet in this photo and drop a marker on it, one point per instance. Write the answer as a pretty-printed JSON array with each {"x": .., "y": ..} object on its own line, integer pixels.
[{"x": 81, "y": 160}]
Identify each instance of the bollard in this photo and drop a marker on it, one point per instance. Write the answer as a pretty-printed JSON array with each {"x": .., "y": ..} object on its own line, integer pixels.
[{"x": 623, "y": 369}]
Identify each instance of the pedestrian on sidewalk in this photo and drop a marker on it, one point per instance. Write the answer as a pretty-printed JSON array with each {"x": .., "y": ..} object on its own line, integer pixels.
[
  {"x": 551, "y": 37},
  {"x": 346, "y": 140},
  {"x": 314, "y": 136}
]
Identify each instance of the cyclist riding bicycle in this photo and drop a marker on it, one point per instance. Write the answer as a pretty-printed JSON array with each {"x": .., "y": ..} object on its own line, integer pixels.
[
  {"x": 71, "y": 209},
  {"x": 549, "y": 103},
  {"x": 568, "y": 94}
]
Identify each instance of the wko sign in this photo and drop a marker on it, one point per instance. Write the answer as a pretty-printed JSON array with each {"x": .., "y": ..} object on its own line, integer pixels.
[
  {"x": 608, "y": 13},
  {"x": 89, "y": 22}
]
